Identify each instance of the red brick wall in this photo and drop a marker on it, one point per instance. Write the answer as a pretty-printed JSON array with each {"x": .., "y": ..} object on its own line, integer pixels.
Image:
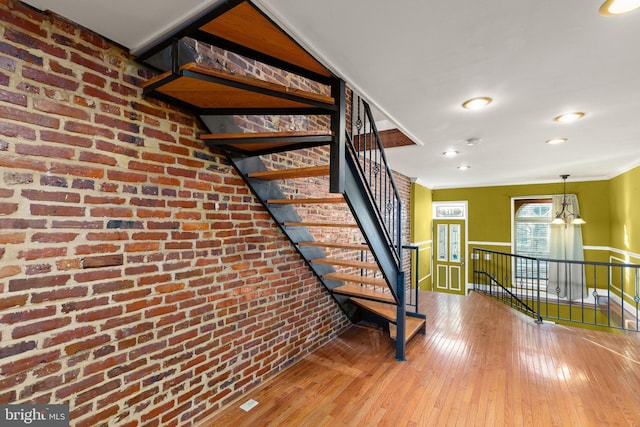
[
  {"x": 140, "y": 281},
  {"x": 403, "y": 184}
]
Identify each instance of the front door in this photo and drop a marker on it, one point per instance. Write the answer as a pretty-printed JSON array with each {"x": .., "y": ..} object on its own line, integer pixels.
[{"x": 449, "y": 262}]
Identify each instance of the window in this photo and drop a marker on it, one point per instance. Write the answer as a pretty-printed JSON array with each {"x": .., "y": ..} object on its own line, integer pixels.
[
  {"x": 532, "y": 231},
  {"x": 449, "y": 210}
]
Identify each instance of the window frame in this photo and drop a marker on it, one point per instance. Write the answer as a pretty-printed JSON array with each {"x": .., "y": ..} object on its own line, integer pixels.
[{"x": 517, "y": 203}]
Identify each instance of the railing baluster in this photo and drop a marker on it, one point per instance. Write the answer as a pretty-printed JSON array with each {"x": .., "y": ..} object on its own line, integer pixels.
[
  {"x": 595, "y": 294},
  {"x": 636, "y": 298},
  {"x": 622, "y": 288},
  {"x": 609, "y": 296},
  {"x": 538, "y": 284}
]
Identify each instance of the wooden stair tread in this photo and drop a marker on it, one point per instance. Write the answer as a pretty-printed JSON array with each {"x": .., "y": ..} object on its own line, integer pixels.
[
  {"x": 268, "y": 141},
  {"x": 320, "y": 224},
  {"x": 264, "y": 135},
  {"x": 216, "y": 72},
  {"x": 305, "y": 201},
  {"x": 388, "y": 311},
  {"x": 331, "y": 245},
  {"x": 411, "y": 327},
  {"x": 347, "y": 263},
  {"x": 356, "y": 278},
  {"x": 265, "y": 36},
  {"x": 258, "y": 146},
  {"x": 204, "y": 87},
  {"x": 307, "y": 172},
  {"x": 616, "y": 313},
  {"x": 354, "y": 290},
  {"x": 631, "y": 323}
]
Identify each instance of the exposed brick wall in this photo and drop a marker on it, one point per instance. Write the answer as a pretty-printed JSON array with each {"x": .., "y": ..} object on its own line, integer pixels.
[
  {"x": 140, "y": 281},
  {"x": 403, "y": 184},
  {"x": 213, "y": 56}
]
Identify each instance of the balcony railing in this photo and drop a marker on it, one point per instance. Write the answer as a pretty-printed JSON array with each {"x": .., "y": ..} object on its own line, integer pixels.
[{"x": 598, "y": 294}]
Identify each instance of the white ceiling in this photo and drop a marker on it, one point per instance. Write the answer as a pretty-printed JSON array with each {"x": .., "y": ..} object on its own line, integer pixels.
[{"x": 417, "y": 61}]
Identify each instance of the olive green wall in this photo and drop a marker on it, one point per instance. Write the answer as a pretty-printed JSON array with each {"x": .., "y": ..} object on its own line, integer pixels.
[
  {"x": 421, "y": 216},
  {"x": 624, "y": 203},
  {"x": 610, "y": 207},
  {"x": 489, "y": 208}
]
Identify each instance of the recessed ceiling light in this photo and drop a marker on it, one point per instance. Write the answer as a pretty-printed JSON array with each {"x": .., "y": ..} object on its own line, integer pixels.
[
  {"x": 569, "y": 117},
  {"x": 474, "y": 141},
  {"x": 476, "y": 103},
  {"x": 556, "y": 141},
  {"x": 464, "y": 167},
  {"x": 618, "y": 7},
  {"x": 450, "y": 153}
]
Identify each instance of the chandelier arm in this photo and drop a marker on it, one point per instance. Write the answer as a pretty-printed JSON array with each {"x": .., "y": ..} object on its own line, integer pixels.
[{"x": 565, "y": 213}]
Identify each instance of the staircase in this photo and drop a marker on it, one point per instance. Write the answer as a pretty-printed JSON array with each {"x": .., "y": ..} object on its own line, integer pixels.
[{"x": 341, "y": 209}]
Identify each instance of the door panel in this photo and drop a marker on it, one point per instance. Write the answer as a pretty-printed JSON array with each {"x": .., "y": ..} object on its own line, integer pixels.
[
  {"x": 442, "y": 277},
  {"x": 450, "y": 244},
  {"x": 456, "y": 278}
]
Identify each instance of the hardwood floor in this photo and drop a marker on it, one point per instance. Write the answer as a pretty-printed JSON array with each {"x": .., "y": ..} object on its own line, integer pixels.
[{"x": 479, "y": 364}]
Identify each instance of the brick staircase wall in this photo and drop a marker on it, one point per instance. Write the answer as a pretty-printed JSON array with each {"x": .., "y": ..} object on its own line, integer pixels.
[{"x": 140, "y": 281}]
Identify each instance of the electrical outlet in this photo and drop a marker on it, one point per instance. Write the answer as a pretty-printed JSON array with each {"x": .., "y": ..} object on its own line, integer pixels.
[{"x": 248, "y": 405}]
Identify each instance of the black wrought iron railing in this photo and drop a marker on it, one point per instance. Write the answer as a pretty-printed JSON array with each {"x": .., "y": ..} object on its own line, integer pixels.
[
  {"x": 412, "y": 289},
  {"x": 490, "y": 285},
  {"x": 598, "y": 294},
  {"x": 365, "y": 146},
  {"x": 411, "y": 267}
]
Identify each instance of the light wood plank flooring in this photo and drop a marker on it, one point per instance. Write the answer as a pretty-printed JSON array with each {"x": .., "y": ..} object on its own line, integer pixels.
[{"x": 479, "y": 364}]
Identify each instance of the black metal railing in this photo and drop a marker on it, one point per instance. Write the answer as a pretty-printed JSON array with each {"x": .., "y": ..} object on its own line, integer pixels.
[
  {"x": 489, "y": 285},
  {"x": 412, "y": 281},
  {"x": 365, "y": 146},
  {"x": 412, "y": 278},
  {"x": 598, "y": 294}
]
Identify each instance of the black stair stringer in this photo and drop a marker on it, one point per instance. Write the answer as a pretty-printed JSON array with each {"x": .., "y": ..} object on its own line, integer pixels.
[
  {"x": 172, "y": 57},
  {"x": 356, "y": 196},
  {"x": 265, "y": 190}
]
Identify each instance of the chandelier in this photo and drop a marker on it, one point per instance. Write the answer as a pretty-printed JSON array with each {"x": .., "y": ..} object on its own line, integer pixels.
[{"x": 565, "y": 216}]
